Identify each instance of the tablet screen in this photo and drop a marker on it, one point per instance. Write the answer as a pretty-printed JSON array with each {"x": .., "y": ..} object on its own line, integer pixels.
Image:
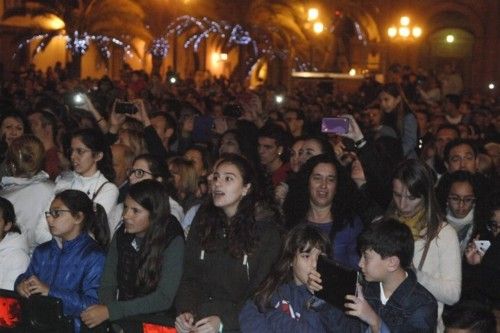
[{"x": 337, "y": 281}]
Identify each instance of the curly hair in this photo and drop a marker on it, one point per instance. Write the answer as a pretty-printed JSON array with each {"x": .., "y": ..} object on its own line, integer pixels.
[{"x": 343, "y": 209}]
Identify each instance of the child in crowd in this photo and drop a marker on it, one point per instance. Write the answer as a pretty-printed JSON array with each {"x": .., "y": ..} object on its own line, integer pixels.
[
  {"x": 13, "y": 247},
  {"x": 281, "y": 302},
  {"x": 392, "y": 300},
  {"x": 69, "y": 266}
]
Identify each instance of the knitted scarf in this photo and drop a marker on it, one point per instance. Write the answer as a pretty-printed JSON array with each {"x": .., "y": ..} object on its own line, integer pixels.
[{"x": 414, "y": 222}]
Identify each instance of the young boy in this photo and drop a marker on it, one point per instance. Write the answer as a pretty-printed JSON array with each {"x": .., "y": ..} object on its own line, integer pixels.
[{"x": 391, "y": 300}]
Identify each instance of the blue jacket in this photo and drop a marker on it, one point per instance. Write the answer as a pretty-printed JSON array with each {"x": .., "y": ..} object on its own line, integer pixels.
[
  {"x": 410, "y": 309},
  {"x": 324, "y": 318},
  {"x": 72, "y": 272}
]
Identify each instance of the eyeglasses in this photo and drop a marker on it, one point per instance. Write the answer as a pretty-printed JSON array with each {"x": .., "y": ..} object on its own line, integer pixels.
[
  {"x": 455, "y": 199},
  {"x": 78, "y": 151},
  {"x": 138, "y": 173},
  {"x": 55, "y": 213}
]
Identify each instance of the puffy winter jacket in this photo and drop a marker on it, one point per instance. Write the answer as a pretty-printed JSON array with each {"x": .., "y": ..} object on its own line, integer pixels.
[{"x": 72, "y": 272}]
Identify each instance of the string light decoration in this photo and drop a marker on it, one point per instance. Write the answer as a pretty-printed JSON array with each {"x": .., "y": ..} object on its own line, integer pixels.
[
  {"x": 160, "y": 47},
  {"x": 79, "y": 43}
]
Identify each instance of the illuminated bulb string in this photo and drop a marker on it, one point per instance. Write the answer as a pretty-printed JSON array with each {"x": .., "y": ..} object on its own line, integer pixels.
[{"x": 79, "y": 43}]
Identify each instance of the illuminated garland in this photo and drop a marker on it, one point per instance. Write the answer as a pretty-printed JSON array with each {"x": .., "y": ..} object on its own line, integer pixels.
[
  {"x": 159, "y": 47},
  {"x": 79, "y": 44}
]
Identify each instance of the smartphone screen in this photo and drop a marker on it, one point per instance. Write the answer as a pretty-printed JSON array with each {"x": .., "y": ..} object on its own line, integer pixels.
[{"x": 335, "y": 125}]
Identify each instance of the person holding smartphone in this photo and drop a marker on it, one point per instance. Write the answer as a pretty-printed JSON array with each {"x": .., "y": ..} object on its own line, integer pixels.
[{"x": 482, "y": 274}]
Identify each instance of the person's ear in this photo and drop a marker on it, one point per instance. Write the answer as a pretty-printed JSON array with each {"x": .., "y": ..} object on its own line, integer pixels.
[
  {"x": 78, "y": 218},
  {"x": 246, "y": 189},
  {"x": 280, "y": 150},
  {"x": 98, "y": 156},
  {"x": 393, "y": 263},
  {"x": 169, "y": 132},
  {"x": 7, "y": 226}
]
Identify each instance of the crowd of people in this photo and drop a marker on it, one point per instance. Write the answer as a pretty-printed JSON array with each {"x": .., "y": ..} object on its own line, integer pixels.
[{"x": 205, "y": 206}]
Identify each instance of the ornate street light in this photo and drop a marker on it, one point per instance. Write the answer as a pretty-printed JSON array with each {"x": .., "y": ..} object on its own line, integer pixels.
[{"x": 404, "y": 31}]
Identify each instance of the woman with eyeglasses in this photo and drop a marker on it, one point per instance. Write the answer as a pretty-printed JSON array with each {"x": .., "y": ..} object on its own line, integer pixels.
[
  {"x": 149, "y": 166},
  {"x": 437, "y": 259},
  {"x": 70, "y": 265},
  {"x": 460, "y": 189},
  {"x": 92, "y": 173}
]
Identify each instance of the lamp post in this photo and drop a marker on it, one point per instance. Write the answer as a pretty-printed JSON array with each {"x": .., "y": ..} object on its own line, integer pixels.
[
  {"x": 403, "y": 33},
  {"x": 317, "y": 28}
]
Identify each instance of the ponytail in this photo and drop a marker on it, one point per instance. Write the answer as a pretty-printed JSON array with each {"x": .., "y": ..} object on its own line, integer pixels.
[
  {"x": 100, "y": 227},
  {"x": 95, "y": 219}
]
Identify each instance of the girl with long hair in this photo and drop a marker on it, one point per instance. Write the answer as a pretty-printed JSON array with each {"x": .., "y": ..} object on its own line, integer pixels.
[
  {"x": 437, "y": 259},
  {"x": 144, "y": 262},
  {"x": 323, "y": 180},
  {"x": 280, "y": 304},
  {"x": 147, "y": 166},
  {"x": 399, "y": 117},
  {"x": 232, "y": 244},
  {"x": 72, "y": 219}
]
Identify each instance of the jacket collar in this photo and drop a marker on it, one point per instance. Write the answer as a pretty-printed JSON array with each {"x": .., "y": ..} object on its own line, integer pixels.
[
  {"x": 399, "y": 296},
  {"x": 71, "y": 244}
]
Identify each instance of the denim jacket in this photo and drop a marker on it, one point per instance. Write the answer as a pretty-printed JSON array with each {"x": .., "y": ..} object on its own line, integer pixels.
[{"x": 411, "y": 308}]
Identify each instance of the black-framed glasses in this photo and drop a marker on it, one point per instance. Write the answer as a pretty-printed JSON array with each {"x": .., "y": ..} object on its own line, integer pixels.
[
  {"x": 138, "y": 173},
  {"x": 55, "y": 213},
  {"x": 455, "y": 199}
]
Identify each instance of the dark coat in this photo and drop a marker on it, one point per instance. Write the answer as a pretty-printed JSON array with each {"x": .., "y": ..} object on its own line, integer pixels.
[
  {"x": 410, "y": 309},
  {"x": 216, "y": 283}
]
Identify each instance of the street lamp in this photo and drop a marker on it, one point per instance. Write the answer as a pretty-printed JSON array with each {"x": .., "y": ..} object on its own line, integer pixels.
[
  {"x": 404, "y": 31},
  {"x": 317, "y": 27}
]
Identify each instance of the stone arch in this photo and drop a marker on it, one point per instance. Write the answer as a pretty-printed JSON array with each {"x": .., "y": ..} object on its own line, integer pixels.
[
  {"x": 450, "y": 14},
  {"x": 475, "y": 25}
]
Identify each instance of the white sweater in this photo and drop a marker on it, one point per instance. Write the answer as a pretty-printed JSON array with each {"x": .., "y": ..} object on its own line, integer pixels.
[
  {"x": 442, "y": 270},
  {"x": 30, "y": 198},
  {"x": 14, "y": 259}
]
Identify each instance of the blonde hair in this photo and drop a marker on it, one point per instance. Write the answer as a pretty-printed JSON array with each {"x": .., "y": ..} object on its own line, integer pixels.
[
  {"x": 188, "y": 183},
  {"x": 25, "y": 156},
  {"x": 136, "y": 141}
]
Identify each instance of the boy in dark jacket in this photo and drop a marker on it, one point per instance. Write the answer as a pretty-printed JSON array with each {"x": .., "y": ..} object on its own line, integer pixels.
[{"x": 391, "y": 300}]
